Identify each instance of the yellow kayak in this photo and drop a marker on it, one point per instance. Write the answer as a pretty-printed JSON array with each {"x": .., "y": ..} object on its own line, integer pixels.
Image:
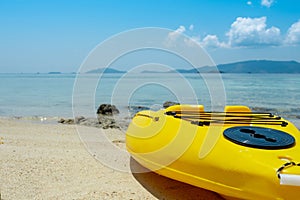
[{"x": 236, "y": 153}]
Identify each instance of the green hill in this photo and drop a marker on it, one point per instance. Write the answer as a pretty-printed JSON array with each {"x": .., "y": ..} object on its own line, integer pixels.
[
  {"x": 104, "y": 70},
  {"x": 251, "y": 66},
  {"x": 261, "y": 66}
]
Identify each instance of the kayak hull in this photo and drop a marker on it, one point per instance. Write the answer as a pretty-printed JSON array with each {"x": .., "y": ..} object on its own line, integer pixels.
[{"x": 199, "y": 154}]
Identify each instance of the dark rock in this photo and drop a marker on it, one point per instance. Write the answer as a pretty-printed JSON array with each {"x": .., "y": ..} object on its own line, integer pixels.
[
  {"x": 107, "y": 109},
  {"x": 170, "y": 103},
  {"x": 66, "y": 121},
  {"x": 69, "y": 121},
  {"x": 79, "y": 119},
  {"x": 138, "y": 108},
  {"x": 103, "y": 121},
  {"x": 135, "y": 109},
  {"x": 90, "y": 122},
  {"x": 107, "y": 122}
]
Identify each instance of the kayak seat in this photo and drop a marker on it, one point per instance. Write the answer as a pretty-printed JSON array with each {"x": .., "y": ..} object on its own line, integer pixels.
[
  {"x": 236, "y": 112},
  {"x": 237, "y": 108},
  {"x": 183, "y": 107}
]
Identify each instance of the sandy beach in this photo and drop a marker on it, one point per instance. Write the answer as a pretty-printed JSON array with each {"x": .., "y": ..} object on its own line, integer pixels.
[{"x": 49, "y": 161}]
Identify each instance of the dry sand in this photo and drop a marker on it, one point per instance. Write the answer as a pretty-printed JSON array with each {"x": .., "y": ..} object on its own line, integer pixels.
[{"x": 48, "y": 161}]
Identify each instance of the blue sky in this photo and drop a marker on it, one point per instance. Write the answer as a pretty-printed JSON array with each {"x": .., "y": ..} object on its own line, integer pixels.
[{"x": 43, "y": 36}]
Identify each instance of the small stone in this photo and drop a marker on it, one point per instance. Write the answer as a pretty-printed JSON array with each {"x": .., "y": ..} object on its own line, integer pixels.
[
  {"x": 62, "y": 120},
  {"x": 170, "y": 103},
  {"x": 79, "y": 119},
  {"x": 66, "y": 121},
  {"x": 107, "y": 109}
]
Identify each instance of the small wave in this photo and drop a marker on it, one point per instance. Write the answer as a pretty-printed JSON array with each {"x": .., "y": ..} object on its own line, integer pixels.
[
  {"x": 37, "y": 119},
  {"x": 289, "y": 113}
]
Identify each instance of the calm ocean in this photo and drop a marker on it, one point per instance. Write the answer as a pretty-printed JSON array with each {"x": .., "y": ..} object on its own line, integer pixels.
[{"x": 51, "y": 95}]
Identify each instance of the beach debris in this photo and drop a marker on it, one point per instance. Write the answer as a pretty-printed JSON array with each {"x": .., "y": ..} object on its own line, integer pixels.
[
  {"x": 1, "y": 142},
  {"x": 102, "y": 121},
  {"x": 170, "y": 103},
  {"x": 43, "y": 119},
  {"x": 104, "y": 112},
  {"x": 118, "y": 141},
  {"x": 66, "y": 121},
  {"x": 79, "y": 119},
  {"x": 106, "y": 119},
  {"x": 107, "y": 109},
  {"x": 107, "y": 122}
]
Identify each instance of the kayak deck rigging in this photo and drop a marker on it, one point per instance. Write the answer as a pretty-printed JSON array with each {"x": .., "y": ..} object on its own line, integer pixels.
[{"x": 207, "y": 118}]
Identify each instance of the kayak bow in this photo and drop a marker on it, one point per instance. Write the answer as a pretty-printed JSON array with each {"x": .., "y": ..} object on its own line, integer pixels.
[{"x": 237, "y": 153}]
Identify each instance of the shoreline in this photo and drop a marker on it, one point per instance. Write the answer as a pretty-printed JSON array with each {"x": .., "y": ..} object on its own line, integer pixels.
[
  {"x": 120, "y": 121},
  {"x": 48, "y": 161},
  {"x": 44, "y": 159}
]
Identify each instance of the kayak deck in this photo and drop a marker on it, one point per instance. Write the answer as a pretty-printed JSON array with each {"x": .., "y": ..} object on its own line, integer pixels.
[{"x": 245, "y": 154}]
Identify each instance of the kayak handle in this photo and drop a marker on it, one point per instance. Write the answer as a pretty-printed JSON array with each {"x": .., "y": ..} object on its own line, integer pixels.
[{"x": 284, "y": 166}]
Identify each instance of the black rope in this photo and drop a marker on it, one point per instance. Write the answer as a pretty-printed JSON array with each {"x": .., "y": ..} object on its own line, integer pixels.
[
  {"x": 218, "y": 113},
  {"x": 249, "y": 116},
  {"x": 232, "y": 117},
  {"x": 285, "y": 165},
  {"x": 207, "y": 123},
  {"x": 144, "y": 115},
  {"x": 206, "y": 118}
]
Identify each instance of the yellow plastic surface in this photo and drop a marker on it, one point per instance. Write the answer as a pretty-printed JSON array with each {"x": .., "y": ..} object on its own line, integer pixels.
[{"x": 173, "y": 148}]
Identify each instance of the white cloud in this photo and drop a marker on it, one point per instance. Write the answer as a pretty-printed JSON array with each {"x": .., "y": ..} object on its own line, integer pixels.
[
  {"x": 252, "y": 32},
  {"x": 212, "y": 41},
  {"x": 173, "y": 36},
  {"x": 192, "y": 41},
  {"x": 293, "y": 34},
  {"x": 244, "y": 32},
  {"x": 191, "y": 28},
  {"x": 267, "y": 3},
  {"x": 249, "y": 3}
]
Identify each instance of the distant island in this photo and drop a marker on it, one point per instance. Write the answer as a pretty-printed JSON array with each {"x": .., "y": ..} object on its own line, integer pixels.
[
  {"x": 105, "y": 70},
  {"x": 260, "y": 66},
  {"x": 54, "y": 72},
  {"x": 250, "y": 66}
]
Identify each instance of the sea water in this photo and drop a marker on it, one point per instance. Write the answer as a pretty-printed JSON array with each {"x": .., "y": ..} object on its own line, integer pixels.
[{"x": 52, "y": 95}]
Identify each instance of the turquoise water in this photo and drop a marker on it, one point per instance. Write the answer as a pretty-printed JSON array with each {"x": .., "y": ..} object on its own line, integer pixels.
[{"x": 52, "y": 94}]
